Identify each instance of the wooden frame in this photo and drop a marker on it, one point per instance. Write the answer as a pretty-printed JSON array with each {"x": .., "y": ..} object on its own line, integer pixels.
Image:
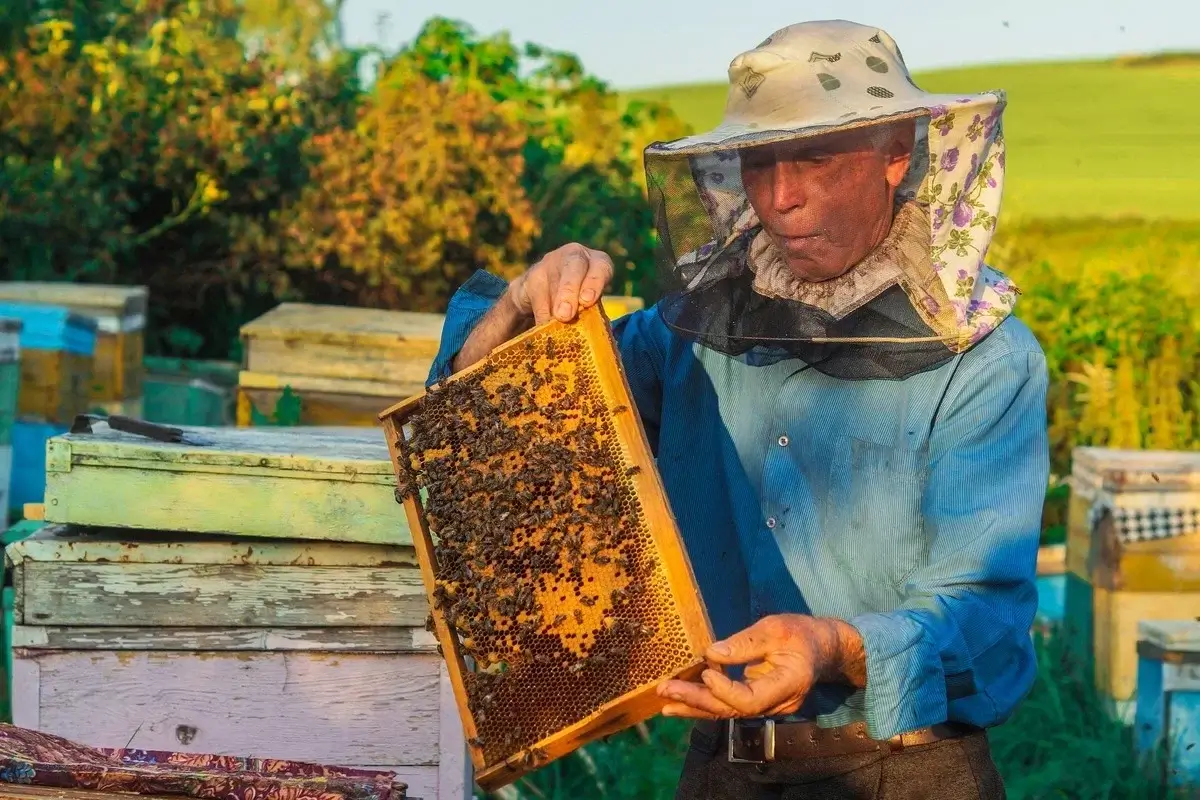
[{"x": 640, "y": 702}]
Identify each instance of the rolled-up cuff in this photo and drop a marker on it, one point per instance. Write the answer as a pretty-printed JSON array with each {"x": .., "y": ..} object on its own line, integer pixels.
[
  {"x": 906, "y": 682},
  {"x": 467, "y": 307}
]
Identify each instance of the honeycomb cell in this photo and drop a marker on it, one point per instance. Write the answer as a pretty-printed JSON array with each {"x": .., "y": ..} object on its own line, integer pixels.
[{"x": 545, "y": 569}]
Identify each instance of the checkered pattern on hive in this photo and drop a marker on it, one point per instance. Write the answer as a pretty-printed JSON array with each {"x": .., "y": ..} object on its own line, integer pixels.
[{"x": 1149, "y": 524}]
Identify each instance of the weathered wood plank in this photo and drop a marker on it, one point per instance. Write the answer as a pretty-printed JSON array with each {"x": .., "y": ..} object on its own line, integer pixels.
[
  {"x": 421, "y": 783},
  {"x": 361, "y": 640},
  {"x": 189, "y": 595},
  {"x": 64, "y": 543},
  {"x": 323, "y": 708},
  {"x": 25, "y": 702},
  {"x": 455, "y": 770}
]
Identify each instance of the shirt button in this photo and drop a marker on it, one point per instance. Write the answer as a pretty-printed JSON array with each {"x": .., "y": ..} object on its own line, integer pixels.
[
  {"x": 771, "y": 522},
  {"x": 783, "y": 440}
]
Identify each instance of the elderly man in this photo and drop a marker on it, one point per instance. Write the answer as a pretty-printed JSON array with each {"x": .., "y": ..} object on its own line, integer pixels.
[{"x": 849, "y": 424}]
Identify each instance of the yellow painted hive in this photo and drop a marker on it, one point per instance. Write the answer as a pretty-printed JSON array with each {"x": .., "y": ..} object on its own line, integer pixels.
[
  {"x": 561, "y": 591},
  {"x": 339, "y": 365}
]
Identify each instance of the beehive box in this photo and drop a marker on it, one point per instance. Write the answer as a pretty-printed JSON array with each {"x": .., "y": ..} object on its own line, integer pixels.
[
  {"x": 562, "y": 592},
  {"x": 290, "y": 483},
  {"x": 1168, "y": 695},
  {"x": 120, "y": 316},
  {"x": 344, "y": 363},
  {"x": 309, "y": 651},
  {"x": 29, "y": 441},
  {"x": 10, "y": 382},
  {"x": 56, "y": 361},
  {"x": 1133, "y": 553},
  {"x": 186, "y": 392}
]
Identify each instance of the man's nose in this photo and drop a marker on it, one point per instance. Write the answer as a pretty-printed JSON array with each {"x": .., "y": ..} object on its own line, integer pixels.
[{"x": 787, "y": 190}]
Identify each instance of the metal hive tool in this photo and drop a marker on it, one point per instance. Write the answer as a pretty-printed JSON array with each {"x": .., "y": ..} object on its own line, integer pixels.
[{"x": 561, "y": 593}]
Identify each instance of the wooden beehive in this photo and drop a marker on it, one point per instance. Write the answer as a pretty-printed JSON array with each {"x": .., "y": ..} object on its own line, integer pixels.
[
  {"x": 1133, "y": 553},
  {"x": 120, "y": 316},
  {"x": 57, "y": 347},
  {"x": 559, "y": 574},
  {"x": 281, "y": 483},
  {"x": 343, "y": 363},
  {"x": 309, "y": 651},
  {"x": 10, "y": 381}
]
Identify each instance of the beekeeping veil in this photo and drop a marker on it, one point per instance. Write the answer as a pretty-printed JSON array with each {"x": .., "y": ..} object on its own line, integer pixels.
[{"x": 921, "y": 296}]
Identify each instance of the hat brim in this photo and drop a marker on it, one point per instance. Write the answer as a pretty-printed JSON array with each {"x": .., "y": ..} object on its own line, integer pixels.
[{"x": 731, "y": 136}]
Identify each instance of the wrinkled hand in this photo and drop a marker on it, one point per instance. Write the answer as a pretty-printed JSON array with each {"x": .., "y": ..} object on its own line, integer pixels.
[
  {"x": 566, "y": 280},
  {"x": 786, "y": 655}
]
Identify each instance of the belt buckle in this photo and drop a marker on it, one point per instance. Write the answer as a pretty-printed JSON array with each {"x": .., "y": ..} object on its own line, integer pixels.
[{"x": 768, "y": 743}]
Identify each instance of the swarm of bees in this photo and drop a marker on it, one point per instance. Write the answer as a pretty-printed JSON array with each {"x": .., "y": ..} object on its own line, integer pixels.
[{"x": 545, "y": 572}]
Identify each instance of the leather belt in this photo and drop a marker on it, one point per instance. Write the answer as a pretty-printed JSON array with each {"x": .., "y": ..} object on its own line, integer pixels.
[{"x": 761, "y": 741}]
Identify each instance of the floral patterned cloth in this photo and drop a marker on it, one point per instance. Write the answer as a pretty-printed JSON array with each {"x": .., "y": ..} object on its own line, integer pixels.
[{"x": 40, "y": 759}]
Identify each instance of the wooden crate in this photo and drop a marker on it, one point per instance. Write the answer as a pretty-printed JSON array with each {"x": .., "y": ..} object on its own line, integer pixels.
[
  {"x": 309, "y": 651},
  {"x": 57, "y": 347},
  {"x": 1168, "y": 695},
  {"x": 594, "y": 636},
  {"x": 120, "y": 315},
  {"x": 10, "y": 353},
  {"x": 1133, "y": 542},
  {"x": 289, "y": 483},
  {"x": 345, "y": 363},
  {"x": 185, "y": 392}
]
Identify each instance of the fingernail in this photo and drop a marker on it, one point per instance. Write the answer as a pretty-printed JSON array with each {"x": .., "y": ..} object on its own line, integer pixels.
[
  {"x": 721, "y": 649},
  {"x": 587, "y": 295},
  {"x": 564, "y": 310}
]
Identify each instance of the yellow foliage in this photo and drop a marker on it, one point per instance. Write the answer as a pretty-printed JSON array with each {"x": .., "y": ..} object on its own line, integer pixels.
[{"x": 424, "y": 190}]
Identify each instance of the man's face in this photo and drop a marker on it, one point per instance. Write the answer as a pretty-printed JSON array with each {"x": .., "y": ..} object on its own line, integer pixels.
[{"x": 826, "y": 202}]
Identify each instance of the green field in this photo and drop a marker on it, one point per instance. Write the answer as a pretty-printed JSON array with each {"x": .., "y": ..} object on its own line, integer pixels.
[{"x": 1085, "y": 138}]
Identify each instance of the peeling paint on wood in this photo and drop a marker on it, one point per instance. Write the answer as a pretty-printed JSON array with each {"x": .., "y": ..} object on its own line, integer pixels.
[
  {"x": 56, "y": 542},
  {"x": 365, "y": 640},
  {"x": 190, "y": 595},
  {"x": 349, "y": 709},
  {"x": 322, "y": 483}
]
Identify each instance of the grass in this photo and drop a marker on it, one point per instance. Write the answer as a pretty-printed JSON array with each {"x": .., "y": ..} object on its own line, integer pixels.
[
  {"x": 1064, "y": 741},
  {"x": 1095, "y": 138}
]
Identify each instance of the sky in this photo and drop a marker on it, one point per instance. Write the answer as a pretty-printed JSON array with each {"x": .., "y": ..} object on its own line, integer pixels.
[{"x": 638, "y": 43}]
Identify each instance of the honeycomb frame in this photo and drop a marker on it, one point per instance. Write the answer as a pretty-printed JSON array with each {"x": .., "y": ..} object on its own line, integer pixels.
[{"x": 680, "y": 625}]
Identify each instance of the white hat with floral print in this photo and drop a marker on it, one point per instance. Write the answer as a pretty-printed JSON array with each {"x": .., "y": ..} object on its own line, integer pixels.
[{"x": 807, "y": 80}]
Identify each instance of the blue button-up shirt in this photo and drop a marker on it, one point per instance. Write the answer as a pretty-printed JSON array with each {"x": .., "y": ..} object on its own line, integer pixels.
[{"x": 911, "y": 508}]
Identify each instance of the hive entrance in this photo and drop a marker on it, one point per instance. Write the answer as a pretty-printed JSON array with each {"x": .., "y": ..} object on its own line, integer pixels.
[{"x": 546, "y": 566}]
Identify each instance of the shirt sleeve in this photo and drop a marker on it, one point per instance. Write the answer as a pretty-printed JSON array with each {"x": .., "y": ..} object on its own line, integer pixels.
[
  {"x": 958, "y": 648},
  {"x": 640, "y": 337}
]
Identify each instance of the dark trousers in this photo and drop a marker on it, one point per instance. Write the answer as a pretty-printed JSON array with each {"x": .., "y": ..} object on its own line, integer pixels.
[{"x": 951, "y": 769}]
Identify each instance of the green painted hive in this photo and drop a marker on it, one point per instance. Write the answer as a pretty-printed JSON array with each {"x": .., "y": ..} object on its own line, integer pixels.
[{"x": 332, "y": 484}]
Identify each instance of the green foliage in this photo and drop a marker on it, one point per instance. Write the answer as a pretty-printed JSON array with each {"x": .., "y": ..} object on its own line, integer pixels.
[
  {"x": 286, "y": 414},
  {"x": 582, "y": 158}
]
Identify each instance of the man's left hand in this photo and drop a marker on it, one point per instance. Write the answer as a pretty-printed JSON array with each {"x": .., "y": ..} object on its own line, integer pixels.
[{"x": 785, "y": 655}]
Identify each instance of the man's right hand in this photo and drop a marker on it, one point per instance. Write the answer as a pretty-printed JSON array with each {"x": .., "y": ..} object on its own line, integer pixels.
[
  {"x": 570, "y": 278},
  {"x": 566, "y": 280}
]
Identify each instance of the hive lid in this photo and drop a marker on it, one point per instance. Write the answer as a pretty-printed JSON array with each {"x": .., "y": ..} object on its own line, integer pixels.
[
  {"x": 87, "y": 298},
  {"x": 1174, "y": 635},
  {"x": 341, "y": 325},
  {"x": 558, "y": 561},
  {"x": 1095, "y": 469},
  {"x": 358, "y": 454}
]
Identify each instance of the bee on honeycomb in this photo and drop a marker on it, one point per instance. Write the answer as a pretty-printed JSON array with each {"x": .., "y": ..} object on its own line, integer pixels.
[{"x": 546, "y": 572}]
